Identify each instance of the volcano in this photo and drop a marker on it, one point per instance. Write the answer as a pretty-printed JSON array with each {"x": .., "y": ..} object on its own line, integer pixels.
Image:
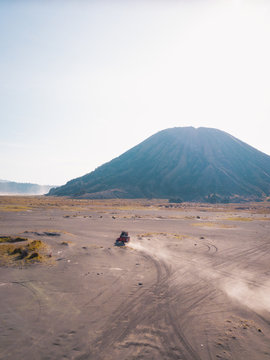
[{"x": 179, "y": 163}]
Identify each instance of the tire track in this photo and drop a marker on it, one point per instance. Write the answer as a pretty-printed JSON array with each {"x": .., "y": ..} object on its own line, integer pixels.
[
  {"x": 143, "y": 309},
  {"x": 138, "y": 309},
  {"x": 37, "y": 300},
  {"x": 160, "y": 301}
]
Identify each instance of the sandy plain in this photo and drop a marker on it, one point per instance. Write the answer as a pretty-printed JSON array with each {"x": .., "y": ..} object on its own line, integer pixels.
[{"x": 193, "y": 283}]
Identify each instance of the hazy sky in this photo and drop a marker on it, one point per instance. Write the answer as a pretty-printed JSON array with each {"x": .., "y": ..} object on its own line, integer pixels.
[{"x": 83, "y": 81}]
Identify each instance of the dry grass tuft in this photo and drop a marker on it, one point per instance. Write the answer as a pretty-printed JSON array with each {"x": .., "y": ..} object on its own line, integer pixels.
[
  {"x": 32, "y": 252},
  {"x": 35, "y": 245},
  {"x": 11, "y": 239},
  {"x": 238, "y": 218},
  {"x": 212, "y": 225},
  {"x": 7, "y": 208},
  {"x": 65, "y": 243},
  {"x": 170, "y": 235}
]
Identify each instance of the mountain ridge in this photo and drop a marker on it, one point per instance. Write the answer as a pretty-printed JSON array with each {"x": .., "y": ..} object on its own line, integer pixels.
[
  {"x": 181, "y": 162},
  {"x": 17, "y": 188}
]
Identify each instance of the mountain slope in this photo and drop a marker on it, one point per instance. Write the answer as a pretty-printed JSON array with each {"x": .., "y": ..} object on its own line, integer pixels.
[
  {"x": 15, "y": 188},
  {"x": 180, "y": 162}
]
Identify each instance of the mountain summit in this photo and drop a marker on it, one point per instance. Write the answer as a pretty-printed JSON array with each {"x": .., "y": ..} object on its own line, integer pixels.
[{"x": 183, "y": 162}]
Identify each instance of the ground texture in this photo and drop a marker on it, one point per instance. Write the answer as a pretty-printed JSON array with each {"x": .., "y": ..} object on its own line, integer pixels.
[{"x": 193, "y": 283}]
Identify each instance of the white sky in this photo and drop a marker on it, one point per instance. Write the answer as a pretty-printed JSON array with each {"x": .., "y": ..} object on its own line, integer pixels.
[{"x": 83, "y": 81}]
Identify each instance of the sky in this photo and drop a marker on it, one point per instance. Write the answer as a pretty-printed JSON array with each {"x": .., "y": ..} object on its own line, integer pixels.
[{"x": 82, "y": 81}]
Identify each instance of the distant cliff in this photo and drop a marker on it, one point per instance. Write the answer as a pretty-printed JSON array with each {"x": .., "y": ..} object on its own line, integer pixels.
[
  {"x": 180, "y": 163},
  {"x": 14, "y": 188}
]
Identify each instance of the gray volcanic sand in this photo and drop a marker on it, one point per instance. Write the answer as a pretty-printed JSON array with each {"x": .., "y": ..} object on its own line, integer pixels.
[{"x": 184, "y": 288}]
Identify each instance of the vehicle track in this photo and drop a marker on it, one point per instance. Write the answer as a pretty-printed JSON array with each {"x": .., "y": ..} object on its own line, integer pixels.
[
  {"x": 34, "y": 308},
  {"x": 149, "y": 307},
  {"x": 25, "y": 285},
  {"x": 133, "y": 308}
]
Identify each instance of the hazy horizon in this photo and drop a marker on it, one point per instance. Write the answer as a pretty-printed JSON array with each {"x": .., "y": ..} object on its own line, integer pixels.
[{"x": 82, "y": 82}]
